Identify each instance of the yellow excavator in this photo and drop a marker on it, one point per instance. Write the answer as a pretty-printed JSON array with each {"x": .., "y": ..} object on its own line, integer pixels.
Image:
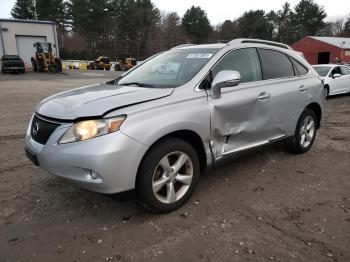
[
  {"x": 125, "y": 62},
  {"x": 44, "y": 59},
  {"x": 100, "y": 63}
]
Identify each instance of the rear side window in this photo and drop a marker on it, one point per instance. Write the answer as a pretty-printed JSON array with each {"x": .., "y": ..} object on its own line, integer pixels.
[
  {"x": 275, "y": 64},
  {"x": 344, "y": 70},
  {"x": 245, "y": 61},
  {"x": 299, "y": 69}
]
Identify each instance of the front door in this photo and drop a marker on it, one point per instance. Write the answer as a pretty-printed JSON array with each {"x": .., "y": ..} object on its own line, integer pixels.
[
  {"x": 337, "y": 84},
  {"x": 239, "y": 119}
]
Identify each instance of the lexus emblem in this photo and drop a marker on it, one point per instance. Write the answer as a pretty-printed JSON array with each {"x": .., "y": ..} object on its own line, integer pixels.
[{"x": 35, "y": 128}]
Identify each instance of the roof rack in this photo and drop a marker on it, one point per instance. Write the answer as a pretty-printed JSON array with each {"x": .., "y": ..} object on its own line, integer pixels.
[
  {"x": 183, "y": 45},
  {"x": 259, "y": 41}
]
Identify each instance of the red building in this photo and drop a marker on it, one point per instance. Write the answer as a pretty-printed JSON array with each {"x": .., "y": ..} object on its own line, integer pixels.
[{"x": 324, "y": 50}]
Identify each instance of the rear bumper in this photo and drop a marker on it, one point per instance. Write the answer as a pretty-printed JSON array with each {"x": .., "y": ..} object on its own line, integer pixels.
[{"x": 112, "y": 158}]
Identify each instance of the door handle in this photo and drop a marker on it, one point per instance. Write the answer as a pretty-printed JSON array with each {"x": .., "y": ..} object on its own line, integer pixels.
[
  {"x": 264, "y": 96},
  {"x": 302, "y": 88}
]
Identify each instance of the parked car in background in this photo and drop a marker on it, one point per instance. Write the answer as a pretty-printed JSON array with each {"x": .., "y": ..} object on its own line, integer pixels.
[
  {"x": 160, "y": 125},
  {"x": 12, "y": 64},
  {"x": 336, "y": 78}
]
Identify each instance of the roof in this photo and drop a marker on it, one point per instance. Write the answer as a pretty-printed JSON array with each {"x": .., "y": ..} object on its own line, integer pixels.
[
  {"x": 341, "y": 42},
  {"x": 330, "y": 65},
  {"x": 26, "y": 21},
  {"x": 190, "y": 46},
  {"x": 323, "y": 65},
  {"x": 259, "y": 41}
]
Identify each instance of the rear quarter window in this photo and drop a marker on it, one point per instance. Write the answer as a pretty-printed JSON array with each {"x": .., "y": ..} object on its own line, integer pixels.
[
  {"x": 275, "y": 64},
  {"x": 299, "y": 69}
]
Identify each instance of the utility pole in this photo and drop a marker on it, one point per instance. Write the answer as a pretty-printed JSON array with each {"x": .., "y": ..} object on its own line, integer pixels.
[
  {"x": 342, "y": 48},
  {"x": 35, "y": 14}
]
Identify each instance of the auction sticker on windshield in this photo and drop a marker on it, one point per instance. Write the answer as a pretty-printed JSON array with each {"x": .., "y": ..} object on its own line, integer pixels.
[{"x": 200, "y": 56}]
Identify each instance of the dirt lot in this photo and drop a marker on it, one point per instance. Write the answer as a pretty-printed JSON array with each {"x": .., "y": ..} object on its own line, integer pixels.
[{"x": 266, "y": 205}]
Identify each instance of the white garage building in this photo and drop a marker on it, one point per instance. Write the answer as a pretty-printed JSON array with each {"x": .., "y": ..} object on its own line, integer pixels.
[{"x": 18, "y": 36}]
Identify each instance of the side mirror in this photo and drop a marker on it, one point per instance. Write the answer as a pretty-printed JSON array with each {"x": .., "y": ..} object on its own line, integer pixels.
[
  {"x": 336, "y": 75},
  {"x": 225, "y": 78}
]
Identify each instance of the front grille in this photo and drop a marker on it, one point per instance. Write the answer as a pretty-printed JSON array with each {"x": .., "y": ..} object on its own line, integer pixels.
[
  {"x": 41, "y": 130},
  {"x": 12, "y": 64}
]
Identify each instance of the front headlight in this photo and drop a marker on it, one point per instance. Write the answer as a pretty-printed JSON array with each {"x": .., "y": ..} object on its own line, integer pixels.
[{"x": 87, "y": 129}]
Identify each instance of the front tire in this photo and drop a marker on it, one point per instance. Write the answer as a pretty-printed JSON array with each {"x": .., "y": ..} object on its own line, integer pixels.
[
  {"x": 326, "y": 91},
  {"x": 305, "y": 133},
  {"x": 167, "y": 175}
]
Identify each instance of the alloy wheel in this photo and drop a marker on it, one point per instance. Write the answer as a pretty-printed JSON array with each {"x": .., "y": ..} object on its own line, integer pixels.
[
  {"x": 307, "y": 131},
  {"x": 172, "y": 177},
  {"x": 325, "y": 92}
]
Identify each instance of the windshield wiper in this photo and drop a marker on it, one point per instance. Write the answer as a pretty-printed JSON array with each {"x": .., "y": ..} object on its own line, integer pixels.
[{"x": 137, "y": 84}]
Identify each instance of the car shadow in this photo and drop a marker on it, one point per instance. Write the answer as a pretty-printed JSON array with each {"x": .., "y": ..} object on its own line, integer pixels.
[{"x": 78, "y": 203}]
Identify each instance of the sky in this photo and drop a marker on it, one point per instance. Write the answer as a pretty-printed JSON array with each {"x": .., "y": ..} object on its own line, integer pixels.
[{"x": 221, "y": 10}]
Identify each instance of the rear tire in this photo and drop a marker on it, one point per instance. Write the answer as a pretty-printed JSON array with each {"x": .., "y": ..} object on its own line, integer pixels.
[
  {"x": 53, "y": 68},
  {"x": 305, "y": 133},
  {"x": 41, "y": 66},
  {"x": 58, "y": 63},
  {"x": 167, "y": 175}
]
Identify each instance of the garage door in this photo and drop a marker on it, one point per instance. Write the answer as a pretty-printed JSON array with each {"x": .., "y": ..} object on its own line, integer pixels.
[{"x": 25, "y": 47}]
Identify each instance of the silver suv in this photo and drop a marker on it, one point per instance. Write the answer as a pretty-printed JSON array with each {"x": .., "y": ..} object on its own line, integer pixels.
[{"x": 159, "y": 126}]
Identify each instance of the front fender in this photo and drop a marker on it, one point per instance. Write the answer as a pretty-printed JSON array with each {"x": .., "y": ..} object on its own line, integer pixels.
[{"x": 149, "y": 125}]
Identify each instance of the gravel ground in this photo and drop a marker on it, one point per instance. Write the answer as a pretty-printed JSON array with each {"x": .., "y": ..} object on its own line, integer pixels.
[{"x": 266, "y": 205}]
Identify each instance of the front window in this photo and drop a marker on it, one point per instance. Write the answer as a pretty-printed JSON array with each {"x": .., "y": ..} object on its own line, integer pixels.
[
  {"x": 245, "y": 61},
  {"x": 170, "y": 69},
  {"x": 322, "y": 70}
]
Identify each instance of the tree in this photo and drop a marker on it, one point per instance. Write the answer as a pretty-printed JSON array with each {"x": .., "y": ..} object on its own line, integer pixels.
[
  {"x": 91, "y": 20},
  {"x": 284, "y": 24},
  {"x": 24, "y": 9},
  {"x": 346, "y": 30},
  {"x": 196, "y": 24},
  {"x": 132, "y": 22},
  {"x": 255, "y": 24},
  {"x": 54, "y": 10},
  {"x": 228, "y": 30},
  {"x": 308, "y": 19},
  {"x": 170, "y": 30}
]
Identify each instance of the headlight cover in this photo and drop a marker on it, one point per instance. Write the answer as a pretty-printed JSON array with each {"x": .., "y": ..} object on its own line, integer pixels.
[{"x": 88, "y": 129}]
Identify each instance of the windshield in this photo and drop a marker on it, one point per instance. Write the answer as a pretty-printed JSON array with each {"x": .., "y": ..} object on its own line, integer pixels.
[
  {"x": 322, "y": 70},
  {"x": 169, "y": 69},
  {"x": 46, "y": 47}
]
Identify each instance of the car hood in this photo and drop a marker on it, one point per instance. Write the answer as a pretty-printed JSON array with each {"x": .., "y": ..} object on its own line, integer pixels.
[{"x": 96, "y": 100}]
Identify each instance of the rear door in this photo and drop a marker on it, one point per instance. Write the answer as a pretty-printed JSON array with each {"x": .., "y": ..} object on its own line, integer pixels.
[{"x": 287, "y": 85}]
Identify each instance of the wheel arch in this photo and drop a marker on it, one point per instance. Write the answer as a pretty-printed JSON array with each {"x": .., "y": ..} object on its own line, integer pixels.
[
  {"x": 190, "y": 137},
  {"x": 316, "y": 108}
]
